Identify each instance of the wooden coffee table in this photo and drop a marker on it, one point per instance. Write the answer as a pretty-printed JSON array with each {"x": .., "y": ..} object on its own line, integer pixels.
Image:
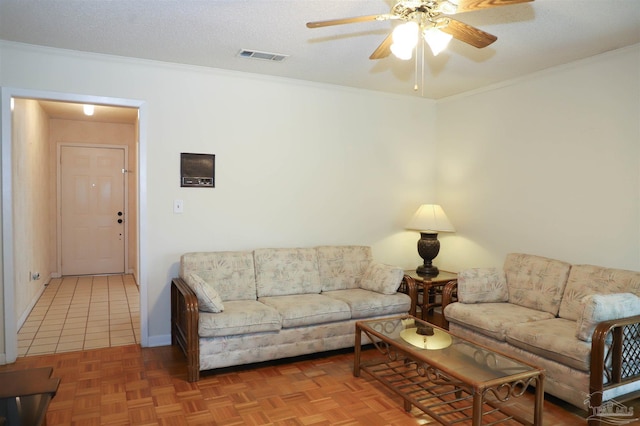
[{"x": 449, "y": 378}]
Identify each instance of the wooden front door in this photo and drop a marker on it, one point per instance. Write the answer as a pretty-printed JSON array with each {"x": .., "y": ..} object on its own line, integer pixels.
[{"x": 92, "y": 210}]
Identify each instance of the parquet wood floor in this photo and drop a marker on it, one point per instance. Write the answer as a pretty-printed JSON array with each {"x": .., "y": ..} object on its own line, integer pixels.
[{"x": 129, "y": 385}]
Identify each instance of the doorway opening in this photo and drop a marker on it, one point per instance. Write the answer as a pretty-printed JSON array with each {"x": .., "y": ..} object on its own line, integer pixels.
[{"x": 32, "y": 242}]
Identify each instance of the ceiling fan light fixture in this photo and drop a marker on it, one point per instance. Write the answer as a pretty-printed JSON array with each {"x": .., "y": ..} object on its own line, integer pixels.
[
  {"x": 436, "y": 39},
  {"x": 405, "y": 38},
  {"x": 449, "y": 7},
  {"x": 401, "y": 53}
]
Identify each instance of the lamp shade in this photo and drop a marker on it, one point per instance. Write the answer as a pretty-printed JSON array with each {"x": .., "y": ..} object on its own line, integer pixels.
[{"x": 430, "y": 218}]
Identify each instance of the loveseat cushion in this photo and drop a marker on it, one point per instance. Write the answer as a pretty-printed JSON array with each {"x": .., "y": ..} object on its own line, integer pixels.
[
  {"x": 286, "y": 271},
  {"x": 230, "y": 273},
  {"x": 492, "y": 319},
  {"x": 365, "y": 303},
  {"x": 536, "y": 282},
  {"x": 239, "y": 317},
  {"x": 381, "y": 278},
  {"x": 585, "y": 280},
  {"x": 307, "y": 309},
  {"x": 208, "y": 298},
  {"x": 482, "y": 285},
  {"x": 604, "y": 307},
  {"x": 342, "y": 267},
  {"x": 552, "y": 339}
]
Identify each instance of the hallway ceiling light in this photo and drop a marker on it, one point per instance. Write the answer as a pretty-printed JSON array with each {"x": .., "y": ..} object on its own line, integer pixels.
[{"x": 88, "y": 109}]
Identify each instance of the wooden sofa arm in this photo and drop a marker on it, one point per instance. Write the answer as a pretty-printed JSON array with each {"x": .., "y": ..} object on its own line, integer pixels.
[
  {"x": 449, "y": 295},
  {"x": 408, "y": 286},
  {"x": 184, "y": 325},
  {"x": 619, "y": 361}
]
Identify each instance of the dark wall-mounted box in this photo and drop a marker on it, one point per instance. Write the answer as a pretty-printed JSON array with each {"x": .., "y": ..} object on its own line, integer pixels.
[{"x": 197, "y": 170}]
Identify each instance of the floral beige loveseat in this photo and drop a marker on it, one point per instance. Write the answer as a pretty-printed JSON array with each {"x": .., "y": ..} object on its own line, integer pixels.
[
  {"x": 233, "y": 308},
  {"x": 579, "y": 322}
]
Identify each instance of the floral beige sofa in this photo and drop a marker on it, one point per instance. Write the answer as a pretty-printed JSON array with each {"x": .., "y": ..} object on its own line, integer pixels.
[
  {"x": 233, "y": 308},
  {"x": 579, "y": 322}
]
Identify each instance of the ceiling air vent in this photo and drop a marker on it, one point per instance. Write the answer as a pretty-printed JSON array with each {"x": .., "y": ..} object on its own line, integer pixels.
[{"x": 265, "y": 56}]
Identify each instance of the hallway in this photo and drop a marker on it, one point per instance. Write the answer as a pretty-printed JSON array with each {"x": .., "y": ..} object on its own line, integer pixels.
[{"x": 87, "y": 312}]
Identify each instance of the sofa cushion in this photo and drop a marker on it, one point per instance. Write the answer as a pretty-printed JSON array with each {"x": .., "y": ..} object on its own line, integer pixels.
[
  {"x": 585, "y": 280},
  {"x": 342, "y": 267},
  {"x": 307, "y": 309},
  {"x": 552, "y": 339},
  {"x": 604, "y": 307},
  {"x": 482, "y": 285},
  {"x": 230, "y": 273},
  {"x": 381, "y": 278},
  {"x": 492, "y": 319},
  {"x": 365, "y": 303},
  {"x": 536, "y": 282},
  {"x": 208, "y": 298},
  {"x": 286, "y": 271},
  {"x": 239, "y": 317}
]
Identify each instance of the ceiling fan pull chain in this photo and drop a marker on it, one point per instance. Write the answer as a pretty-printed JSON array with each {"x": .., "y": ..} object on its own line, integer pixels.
[
  {"x": 415, "y": 78},
  {"x": 422, "y": 94}
]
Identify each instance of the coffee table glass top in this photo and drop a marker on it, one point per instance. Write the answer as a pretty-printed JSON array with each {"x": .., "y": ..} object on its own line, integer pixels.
[{"x": 439, "y": 348}]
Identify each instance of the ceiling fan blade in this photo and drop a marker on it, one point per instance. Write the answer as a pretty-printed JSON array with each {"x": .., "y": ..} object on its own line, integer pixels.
[
  {"x": 468, "y": 34},
  {"x": 469, "y": 5},
  {"x": 342, "y": 21},
  {"x": 384, "y": 49}
]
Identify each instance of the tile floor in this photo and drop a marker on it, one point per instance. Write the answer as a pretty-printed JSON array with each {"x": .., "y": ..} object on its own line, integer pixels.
[{"x": 88, "y": 312}]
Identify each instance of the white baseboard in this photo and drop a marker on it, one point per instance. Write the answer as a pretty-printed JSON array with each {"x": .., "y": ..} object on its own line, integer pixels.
[
  {"x": 162, "y": 340},
  {"x": 3, "y": 359}
]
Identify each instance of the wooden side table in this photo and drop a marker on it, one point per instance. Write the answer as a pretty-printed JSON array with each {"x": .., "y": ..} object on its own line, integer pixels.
[
  {"x": 430, "y": 294},
  {"x": 25, "y": 395}
]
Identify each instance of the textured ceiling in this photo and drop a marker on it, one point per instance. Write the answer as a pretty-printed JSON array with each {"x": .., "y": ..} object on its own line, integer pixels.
[{"x": 531, "y": 37}]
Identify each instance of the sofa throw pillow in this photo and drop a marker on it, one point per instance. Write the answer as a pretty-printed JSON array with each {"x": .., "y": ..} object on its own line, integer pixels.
[
  {"x": 482, "y": 285},
  {"x": 208, "y": 298},
  {"x": 382, "y": 278},
  {"x": 603, "y": 307}
]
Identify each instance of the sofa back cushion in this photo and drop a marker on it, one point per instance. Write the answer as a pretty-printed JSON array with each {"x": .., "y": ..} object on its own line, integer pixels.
[
  {"x": 230, "y": 273},
  {"x": 536, "y": 282},
  {"x": 482, "y": 285},
  {"x": 342, "y": 267},
  {"x": 286, "y": 271},
  {"x": 585, "y": 280}
]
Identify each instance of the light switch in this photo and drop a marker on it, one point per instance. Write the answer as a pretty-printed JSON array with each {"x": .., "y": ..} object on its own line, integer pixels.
[{"x": 178, "y": 206}]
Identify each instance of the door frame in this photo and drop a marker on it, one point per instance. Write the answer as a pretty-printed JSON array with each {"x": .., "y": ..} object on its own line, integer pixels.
[
  {"x": 10, "y": 324},
  {"x": 59, "y": 147}
]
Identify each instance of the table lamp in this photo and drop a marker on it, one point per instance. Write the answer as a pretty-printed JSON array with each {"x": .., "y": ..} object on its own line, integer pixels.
[{"x": 429, "y": 220}]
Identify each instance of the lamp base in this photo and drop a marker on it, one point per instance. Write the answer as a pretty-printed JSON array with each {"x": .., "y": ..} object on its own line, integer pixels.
[
  {"x": 427, "y": 271},
  {"x": 428, "y": 249}
]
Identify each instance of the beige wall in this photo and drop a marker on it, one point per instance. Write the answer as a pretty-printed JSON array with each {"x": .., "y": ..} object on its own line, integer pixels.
[
  {"x": 548, "y": 165},
  {"x": 529, "y": 166},
  {"x": 297, "y": 164},
  {"x": 32, "y": 204},
  {"x": 96, "y": 133}
]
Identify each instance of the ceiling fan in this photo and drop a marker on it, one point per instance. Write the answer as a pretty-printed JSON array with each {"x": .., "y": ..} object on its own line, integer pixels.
[{"x": 431, "y": 18}]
